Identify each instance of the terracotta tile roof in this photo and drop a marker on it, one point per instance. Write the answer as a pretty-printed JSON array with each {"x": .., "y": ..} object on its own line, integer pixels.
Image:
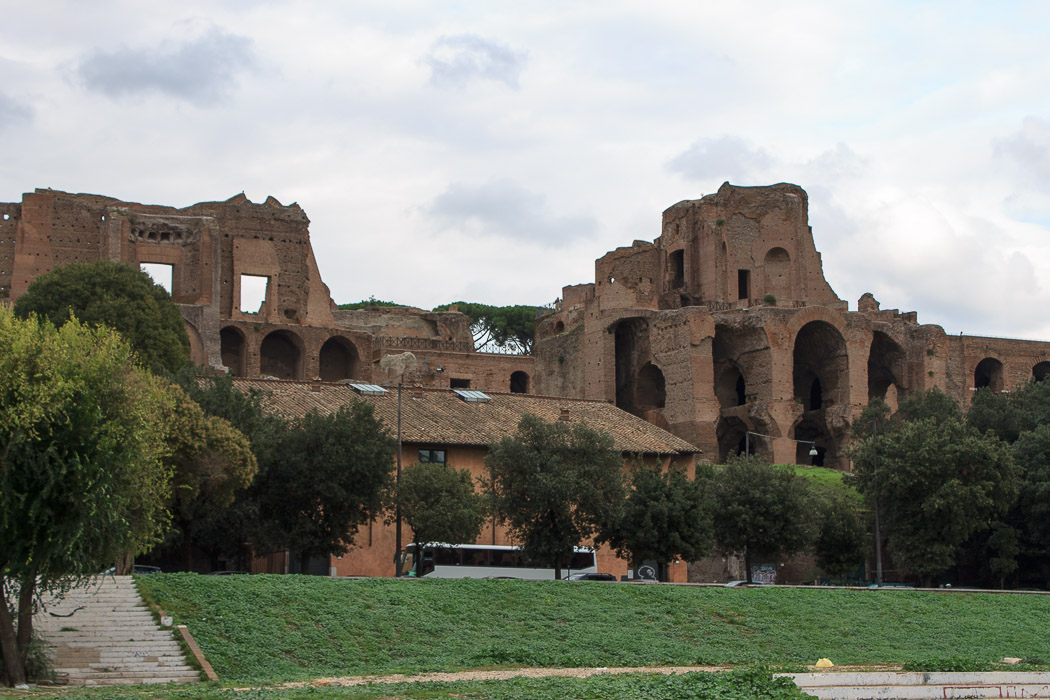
[{"x": 439, "y": 416}]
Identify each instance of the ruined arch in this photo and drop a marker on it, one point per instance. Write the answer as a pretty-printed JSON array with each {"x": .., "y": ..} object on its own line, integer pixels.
[
  {"x": 812, "y": 431},
  {"x": 338, "y": 359},
  {"x": 776, "y": 272},
  {"x": 232, "y": 350},
  {"x": 743, "y": 365},
  {"x": 519, "y": 382},
  {"x": 821, "y": 366},
  {"x": 650, "y": 389},
  {"x": 198, "y": 356},
  {"x": 732, "y": 437},
  {"x": 988, "y": 373},
  {"x": 1041, "y": 371},
  {"x": 885, "y": 367},
  {"x": 631, "y": 340},
  {"x": 281, "y": 355}
]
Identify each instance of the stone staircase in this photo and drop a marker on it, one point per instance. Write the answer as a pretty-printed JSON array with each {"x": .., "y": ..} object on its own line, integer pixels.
[
  {"x": 920, "y": 686},
  {"x": 103, "y": 634}
]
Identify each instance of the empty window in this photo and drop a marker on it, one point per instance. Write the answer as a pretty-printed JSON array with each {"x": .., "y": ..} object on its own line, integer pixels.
[
  {"x": 253, "y": 293},
  {"x": 457, "y": 383},
  {"x": 676, "y": 263},
  {"x": 743, "y": 283},
  {"x": 432, "y": 456},
  {"x": 519, "y": 383},
  {"x": 162, "y": 274}
]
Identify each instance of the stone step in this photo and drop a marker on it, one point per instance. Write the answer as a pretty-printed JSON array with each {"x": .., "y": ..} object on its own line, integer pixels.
[
  {"x": 156, "y": 680},
  {"x": 920, "y": 686}
]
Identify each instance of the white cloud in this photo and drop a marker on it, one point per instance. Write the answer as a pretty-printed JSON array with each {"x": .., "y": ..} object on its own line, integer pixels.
[
  {"x": 726, "y": 157},
  {"x": 456, "y": 61},
  {"x": 13, "y": 112}
]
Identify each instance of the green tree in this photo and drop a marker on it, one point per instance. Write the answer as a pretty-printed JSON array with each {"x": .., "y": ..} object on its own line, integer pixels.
[
  {"x": 510, "y": 327},
  {"x": 761, "y": 510},
  {"x": 842, "y": 540},
  {"x": 555, "y": 485},
  {"x": 82, "y": 478},
  {"x": 440, "y": 504},
  {"x": 320, "y": 478},
  {"x": 213, "y": 462},
  {"x": 115, "y": 295},
  {"x": 665, "y": 515},
  {"x": 938, "y": 483}
]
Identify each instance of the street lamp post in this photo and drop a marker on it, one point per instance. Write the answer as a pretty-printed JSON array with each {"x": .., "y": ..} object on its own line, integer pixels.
[
  {"x": 875, "y": 474},
  {"x": 747, "y": 443}
]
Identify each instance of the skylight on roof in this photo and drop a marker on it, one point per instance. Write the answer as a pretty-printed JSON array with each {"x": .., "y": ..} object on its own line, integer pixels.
[
  {"x": 368, "y": 389},
  {"x": 472, "y": 395}
]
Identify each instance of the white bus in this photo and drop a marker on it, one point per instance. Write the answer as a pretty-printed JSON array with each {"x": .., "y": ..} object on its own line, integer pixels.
[{"x": 488, "y": 561}]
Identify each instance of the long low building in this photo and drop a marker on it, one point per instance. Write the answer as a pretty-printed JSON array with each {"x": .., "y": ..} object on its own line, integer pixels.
[{"x": 456, "y": 427}]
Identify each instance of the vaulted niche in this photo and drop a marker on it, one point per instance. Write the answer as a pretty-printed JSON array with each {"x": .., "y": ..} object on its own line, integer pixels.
[
  {"x": 776, "y": 273},
  {"x": 821, "y": 379},
  {"x": 519, "y": 383},
  {"x": 742, "y": 365},
  {"x": 337, "y": 360},
  {"x": 820, "y": 366},
  {"x": 231, "y": 349},
  {"x": 281, "y": 356},
  {"x": 989, "y": 373},
  {"x": 732, "y": 438},
  {"x": 640, "y": 384},
  {"x": 1041, "y": 371},
  {"x": 731, "y": 388},
  {"x": 676, "y": 269},
  {"x": 885, "y": 368}
]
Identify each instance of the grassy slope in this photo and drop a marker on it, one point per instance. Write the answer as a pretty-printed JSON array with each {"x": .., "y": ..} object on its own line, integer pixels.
[{"x": 265, "y": 628}]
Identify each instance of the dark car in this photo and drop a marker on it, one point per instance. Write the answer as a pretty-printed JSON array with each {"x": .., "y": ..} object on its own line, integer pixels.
[{"x": 590, "y": 577}]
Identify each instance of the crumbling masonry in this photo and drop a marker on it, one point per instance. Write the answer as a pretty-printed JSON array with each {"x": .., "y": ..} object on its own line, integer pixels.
[{"x": 722, "y": 330}]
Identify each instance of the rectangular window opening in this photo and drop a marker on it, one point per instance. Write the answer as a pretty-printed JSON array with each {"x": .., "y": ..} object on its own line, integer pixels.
[
  {"x": 743, "y": 279},
  {"x": 161, "y": 274},
  {"x": 432, "y": 456},
  {"x": 457, "y": 383},
  {"x": 253, "y": 293}
]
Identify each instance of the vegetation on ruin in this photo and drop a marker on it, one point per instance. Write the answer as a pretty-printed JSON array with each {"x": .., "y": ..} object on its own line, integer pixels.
[
  {"x": 116, "y": 295},
  {"x": 259, "y": 629},
  {"x": 509, "y": 328},
  {"x": 369, "y": 303},
  {"x": 555, "y": 485},
  {"x": 82, "y": 474}
]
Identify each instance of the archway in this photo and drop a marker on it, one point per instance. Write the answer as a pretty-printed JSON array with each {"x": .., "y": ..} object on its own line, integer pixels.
[
  {"x": 1041, "y": 371},
  {"x": 632, "y": 352},
  {"x": 519, "y": 383},
  {"x": 885, "y": 366},
  {"x": 231, "y": 350},
  {"x": 650, "y": 391},
  {"x": 281, "y": 355},
  {"x": 742, "y": 365},
  {"x": 732, "y": 437},
  {"x": 731, "y": 389},
  {"x": 988, "y": 373},
  {"x": 338, "y": 359},
  {"x": 821, "y": 386},
  {"x": 812, "y": 432}
]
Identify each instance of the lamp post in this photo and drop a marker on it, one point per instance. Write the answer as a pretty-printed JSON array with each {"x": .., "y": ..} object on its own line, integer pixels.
[
  {"x": 397, "y": 366},
  {"x": 747, "y": 443}
]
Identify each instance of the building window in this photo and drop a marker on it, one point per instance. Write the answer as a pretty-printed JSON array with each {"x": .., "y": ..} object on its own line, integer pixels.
[
  {"x": 431, "y": 456},
  {"x": 458, "y": 383},
  {"x": 743, "y": 283}
]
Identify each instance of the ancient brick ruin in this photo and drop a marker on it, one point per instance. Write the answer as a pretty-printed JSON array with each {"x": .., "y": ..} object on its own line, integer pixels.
[{"x": 722, "y": 330}]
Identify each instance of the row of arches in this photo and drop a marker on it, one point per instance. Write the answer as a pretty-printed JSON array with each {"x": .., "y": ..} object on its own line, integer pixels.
[
  {"x": 989, "y": 373},
  {"x": 282, "y": 353}
]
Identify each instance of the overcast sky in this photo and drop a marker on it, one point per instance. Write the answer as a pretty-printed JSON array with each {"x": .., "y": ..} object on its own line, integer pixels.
[{"x": 490, "y": 151}]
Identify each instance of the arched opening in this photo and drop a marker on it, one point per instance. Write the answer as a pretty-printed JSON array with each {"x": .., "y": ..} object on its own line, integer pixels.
[
  {"x": 885, "y": 366},
  {"x": 281, "y": 356},
  {"x": 731, "y": 389},
  {"x": 197, "y": 354},
  {"x": 651, "y": 392},
  {"x": 732, "y": 438},
  {"x": 676, "y": 269},
  {"x": 1041, "y": 371},
  {"x": 821, "y": 380},
  {"x": 519, "y": 383},
  {"x": 559, "y": 327},
  {"x": 989, "y": 373},
  {"x": 337, "y": 360},
  {"x": 231, "y": 350},
  {"x": 776, "y": 272},
  {"x": 632, "y": 352}
]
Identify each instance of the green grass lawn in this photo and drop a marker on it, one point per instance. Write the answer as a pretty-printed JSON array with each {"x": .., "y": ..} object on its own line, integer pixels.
[{"x": 260, "y": 629}]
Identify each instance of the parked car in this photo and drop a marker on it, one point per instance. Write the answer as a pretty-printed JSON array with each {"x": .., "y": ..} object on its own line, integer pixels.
[{"x": 590, "y": 577}]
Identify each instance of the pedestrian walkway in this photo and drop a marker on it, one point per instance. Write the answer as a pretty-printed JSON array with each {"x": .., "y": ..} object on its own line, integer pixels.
[
  {"x": 103, "y": 634},
  {"x": 848, "y": 685}
]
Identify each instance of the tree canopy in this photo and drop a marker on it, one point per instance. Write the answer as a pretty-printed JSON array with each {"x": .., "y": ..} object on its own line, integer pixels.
[
  {"x": 555, "y": 485},
  {"x": 320, "y": 478},
  {"x": 761, "y": 510},
  {"x": 82, "y": 475},
  {"x": 118, "y": 296},
  {"x": 510, "y": 328},
  {"x": 936, "y": 480},
  {"x": 665, "y": 515},
  {"x": 440, "y": 504}
]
